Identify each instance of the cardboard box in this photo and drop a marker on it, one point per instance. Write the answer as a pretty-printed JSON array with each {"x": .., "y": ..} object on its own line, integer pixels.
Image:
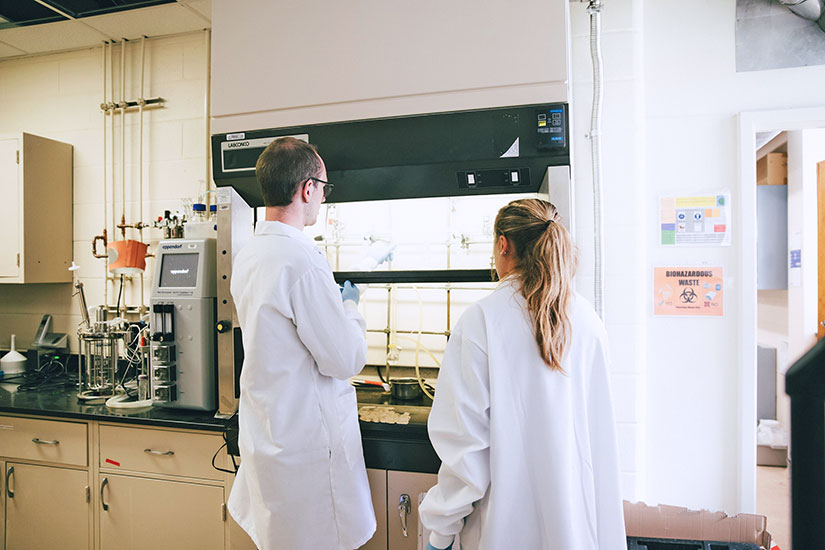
[
  {"x": 772, "y": 455},
  {"x": 772, "y": 169},
  {"x": 675, "y": 522}
]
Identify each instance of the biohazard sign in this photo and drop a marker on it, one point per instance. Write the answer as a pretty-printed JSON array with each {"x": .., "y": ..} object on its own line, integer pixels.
[{"x": 688, "y": 291}]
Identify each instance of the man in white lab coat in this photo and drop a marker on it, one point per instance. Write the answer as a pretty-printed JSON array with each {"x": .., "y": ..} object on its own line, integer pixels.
[{"x": 302, "y": 483}]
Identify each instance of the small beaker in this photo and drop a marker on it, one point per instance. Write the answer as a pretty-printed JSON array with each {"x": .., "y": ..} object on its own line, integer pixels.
[{"x": 143, "y": 387}]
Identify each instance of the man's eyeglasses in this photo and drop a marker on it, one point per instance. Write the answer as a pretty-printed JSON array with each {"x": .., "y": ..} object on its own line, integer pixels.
[{"x": 328, "y": 187}]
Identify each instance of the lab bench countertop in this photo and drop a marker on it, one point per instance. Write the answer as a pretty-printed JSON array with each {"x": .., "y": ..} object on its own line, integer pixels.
[
  {"x": 62, "y": 402},
  {"x": 388, "y": 446}
]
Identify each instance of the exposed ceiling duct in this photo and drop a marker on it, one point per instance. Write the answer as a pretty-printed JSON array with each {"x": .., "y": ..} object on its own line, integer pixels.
[{"x": 809, "y": 9}]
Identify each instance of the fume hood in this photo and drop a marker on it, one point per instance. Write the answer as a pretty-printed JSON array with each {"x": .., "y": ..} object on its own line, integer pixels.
[{"x": 456, "y": 169}]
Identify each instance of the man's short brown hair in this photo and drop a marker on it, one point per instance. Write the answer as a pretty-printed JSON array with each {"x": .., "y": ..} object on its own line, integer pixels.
[{"x": 284, "y": 165}]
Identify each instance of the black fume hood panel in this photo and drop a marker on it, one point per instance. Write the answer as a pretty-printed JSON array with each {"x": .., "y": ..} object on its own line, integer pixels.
[{"x": 479, "y": 152}]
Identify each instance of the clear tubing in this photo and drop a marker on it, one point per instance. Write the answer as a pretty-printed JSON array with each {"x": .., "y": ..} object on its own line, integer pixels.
[{"x": 418, "y": 345}]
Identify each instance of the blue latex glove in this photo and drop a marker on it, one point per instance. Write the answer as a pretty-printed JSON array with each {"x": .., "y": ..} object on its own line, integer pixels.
[
  {"x": 431, "y": 547},
  {"x": 381, "y": 252},
  {"x": 350, "y": 292}
]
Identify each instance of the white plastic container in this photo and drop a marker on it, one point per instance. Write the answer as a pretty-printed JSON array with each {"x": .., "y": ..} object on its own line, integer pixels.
[{"x": 13, "y": 362}]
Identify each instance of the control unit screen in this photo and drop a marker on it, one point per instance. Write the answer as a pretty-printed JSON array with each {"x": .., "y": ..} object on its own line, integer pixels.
[{"x": 179, "y": 270}]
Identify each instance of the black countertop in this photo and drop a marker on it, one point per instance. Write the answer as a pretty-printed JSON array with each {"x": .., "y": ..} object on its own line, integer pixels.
[
  {"x": 62, "y": 402},
  {"x": 388, "y": 446}
]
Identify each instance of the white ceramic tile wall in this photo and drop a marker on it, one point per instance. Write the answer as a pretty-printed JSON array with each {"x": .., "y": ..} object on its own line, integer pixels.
[
  {"x": 624, "y": 207},
  {"x": 692, "y": 96},
  {"x": 58, "y": 96}
]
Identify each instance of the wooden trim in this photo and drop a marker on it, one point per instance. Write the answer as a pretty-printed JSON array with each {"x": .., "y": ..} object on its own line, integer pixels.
[
  {"x": 820, "y": 200},
  {"x": 778, "y": 144}
]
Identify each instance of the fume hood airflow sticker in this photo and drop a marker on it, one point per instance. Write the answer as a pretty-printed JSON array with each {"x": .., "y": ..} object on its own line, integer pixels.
[
  {"x": 695, "y": 220},
  {"x": 513, "y": 151}
]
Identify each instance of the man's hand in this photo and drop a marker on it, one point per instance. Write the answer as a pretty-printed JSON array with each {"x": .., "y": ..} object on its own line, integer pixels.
[{"x": 350, "y": 292}]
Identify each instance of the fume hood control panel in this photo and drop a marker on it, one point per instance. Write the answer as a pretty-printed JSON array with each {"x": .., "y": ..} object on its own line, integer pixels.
[{"x": 551, "y": 129}]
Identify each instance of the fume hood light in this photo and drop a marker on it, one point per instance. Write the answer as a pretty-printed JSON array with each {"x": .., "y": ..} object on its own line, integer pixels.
[{"x": 491, "y": 179}]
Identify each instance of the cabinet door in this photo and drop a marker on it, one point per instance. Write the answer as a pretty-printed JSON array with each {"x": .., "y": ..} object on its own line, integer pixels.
[
  {"x": 2, "y": 505},
  {"x": 378, "y": 488},
  {"x": 140, "y": 514},
  {"x": 10, "y": 208},
  {"x": 238, "y": 539},
  {"x": 46, "y": 507},
  {"x": 403, "y": 488}
]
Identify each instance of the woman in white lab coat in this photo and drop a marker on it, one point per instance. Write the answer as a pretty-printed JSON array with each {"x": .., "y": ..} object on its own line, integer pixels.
[{"x": 522, "y": 418}]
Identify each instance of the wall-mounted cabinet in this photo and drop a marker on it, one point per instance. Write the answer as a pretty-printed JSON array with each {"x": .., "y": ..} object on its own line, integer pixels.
[{"x": 35, "y": 210}]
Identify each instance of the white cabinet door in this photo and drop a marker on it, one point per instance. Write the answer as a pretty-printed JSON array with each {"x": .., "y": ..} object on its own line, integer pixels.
[
  {"x": 141, "y": 514},
  {"x": 9, "y": 209},
  {"x": 46, "y": 507}
]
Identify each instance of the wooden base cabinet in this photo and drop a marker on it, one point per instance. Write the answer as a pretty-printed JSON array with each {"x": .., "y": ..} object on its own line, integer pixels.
[
  {"x": 46, "y": 507},
  {"x": 403, "y": 488},
  {"x": 395, "y": 499},
  {"x": 2, "y": 505},
  {"x": 140, "y": 513},
  {"x": 378, "y": 488}
]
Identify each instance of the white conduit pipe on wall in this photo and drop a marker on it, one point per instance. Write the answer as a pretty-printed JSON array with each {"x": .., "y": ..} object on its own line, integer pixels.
[
  {"x": 206, "y": 109},
  {"x": 112, "y": 150},
  {"x": 123, "y": 133},
  {"x": 594, "y": 9},
  {"x": 141, "y": 103},
  {"x": 105, "y": 108}
]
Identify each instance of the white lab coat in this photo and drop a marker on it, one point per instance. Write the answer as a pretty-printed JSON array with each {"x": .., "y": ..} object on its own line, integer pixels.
[
  {"x": 529, "y": 456},
  {"x": 302, "y": 483}
]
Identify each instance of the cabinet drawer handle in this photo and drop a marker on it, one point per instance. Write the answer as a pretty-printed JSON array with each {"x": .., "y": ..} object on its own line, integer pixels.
[
  {"x": 45, "y": 441},
  {"x": 403, "y": 511},
  {"x": 9, "y": 473},
  {"x": 159, "y": 453},
  {"x": 103, "y": 485}
]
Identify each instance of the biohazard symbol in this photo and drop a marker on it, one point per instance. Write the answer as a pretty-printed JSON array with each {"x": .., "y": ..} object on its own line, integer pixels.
[{"x": 688, "y": 296}]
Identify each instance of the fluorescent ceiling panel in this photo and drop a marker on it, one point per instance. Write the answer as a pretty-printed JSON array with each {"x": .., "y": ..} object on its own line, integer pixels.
[
  {"x": 204, "y": 7},
  {"x": 154, "y": 21}
]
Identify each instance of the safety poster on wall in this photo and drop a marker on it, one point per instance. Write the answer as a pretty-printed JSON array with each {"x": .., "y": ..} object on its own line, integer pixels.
[
  {"x": 695, "y": 221},
  {"x": 688, "y": 291}
]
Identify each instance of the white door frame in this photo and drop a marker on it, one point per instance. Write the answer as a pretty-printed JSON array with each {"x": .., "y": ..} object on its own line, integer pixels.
[{"x": 751, "y": 122}]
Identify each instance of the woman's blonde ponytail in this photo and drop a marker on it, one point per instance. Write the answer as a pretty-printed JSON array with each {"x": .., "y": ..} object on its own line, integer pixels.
[{"x": 545, "y": 269}]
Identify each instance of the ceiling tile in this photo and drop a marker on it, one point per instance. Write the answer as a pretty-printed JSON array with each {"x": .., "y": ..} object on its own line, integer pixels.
[
  {"x": 62, "y": 35},
  {"x": 153, "y": 21}
]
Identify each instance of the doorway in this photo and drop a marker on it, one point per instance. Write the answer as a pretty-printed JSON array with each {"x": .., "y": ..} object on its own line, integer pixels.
[{"x": 782, "y": 318}]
